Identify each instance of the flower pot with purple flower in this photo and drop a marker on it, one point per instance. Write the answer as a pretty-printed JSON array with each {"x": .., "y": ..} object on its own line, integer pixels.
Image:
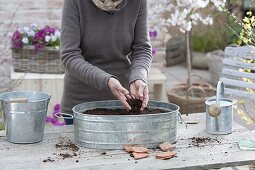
[{"x": 36, "y": 50}]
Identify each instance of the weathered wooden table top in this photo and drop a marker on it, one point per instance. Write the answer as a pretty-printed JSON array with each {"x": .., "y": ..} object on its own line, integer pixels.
[{"x": 221, "y": 151}]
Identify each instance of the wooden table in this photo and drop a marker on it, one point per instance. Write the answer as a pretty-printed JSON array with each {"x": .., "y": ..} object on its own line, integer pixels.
[
  {"x": 221, "y": 152},
  {"x": 53, "y": 84}
]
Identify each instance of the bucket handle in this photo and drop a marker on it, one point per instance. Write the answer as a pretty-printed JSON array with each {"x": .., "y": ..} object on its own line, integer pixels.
[
  {"x": 195, "y": 88},
  {"x": 181, "y": 120},
  {"x": 63, "y": 115},
  {"x": 18, "y": 100}
]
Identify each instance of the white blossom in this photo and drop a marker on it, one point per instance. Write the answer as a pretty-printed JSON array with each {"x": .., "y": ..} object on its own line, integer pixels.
[
  {"x": 181, "y": 13},
  {"x": 202, "y": 3},
  {"x": 31, "y": 33},
  {"x": 25, "y": 40},
  {"x": 33, "y": 26},
  {"x": 47, "y": 38},
  {"x": 57, "y": 33},
  {"x": 207, "y": 21},
  {"x": 219, "y": 4},
  {"x": 53, "y": 37}
]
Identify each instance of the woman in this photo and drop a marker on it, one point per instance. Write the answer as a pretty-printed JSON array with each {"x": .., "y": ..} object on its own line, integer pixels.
[{"x": 105, "y": 49}]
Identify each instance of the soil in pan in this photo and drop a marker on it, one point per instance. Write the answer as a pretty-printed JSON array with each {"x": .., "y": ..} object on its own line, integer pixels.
[{"x": 135, "y": 104}]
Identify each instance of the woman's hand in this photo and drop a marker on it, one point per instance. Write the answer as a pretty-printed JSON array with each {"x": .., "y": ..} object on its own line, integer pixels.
[
  {"x": 139, "y": 90},
  {"x": 119, "y": 92}
]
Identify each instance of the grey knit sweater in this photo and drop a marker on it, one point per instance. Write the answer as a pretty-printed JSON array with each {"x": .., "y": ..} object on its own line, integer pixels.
[{"x": 96, "y": 45}]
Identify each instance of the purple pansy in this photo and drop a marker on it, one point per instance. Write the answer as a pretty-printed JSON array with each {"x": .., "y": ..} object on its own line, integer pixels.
[
  {"x": 153, "y": 34},
  {"x": 48, "y": 119},
  {"x": 154, "y": 50},
  {"x": 39, "y": 36},
  {"x": 57, "y": 108},
  {"x": 16, "y": 36},
  {"x": 53, "y": 119},
  {"x": 48, "y": 30},
  {"x": 17, "y": 40}
]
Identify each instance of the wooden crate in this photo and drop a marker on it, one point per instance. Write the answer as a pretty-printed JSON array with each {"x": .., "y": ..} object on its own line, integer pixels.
[{"x": 175, "y": 51}]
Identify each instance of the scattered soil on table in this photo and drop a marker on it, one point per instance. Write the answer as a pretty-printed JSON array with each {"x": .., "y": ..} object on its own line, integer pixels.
[
  {"x": 199, "y": 141},
  {"x": 49, "y": 160},
  {"x": 67, "y": 155},
  {"x": 67, "y": 150},
  {"x": 135, "y": 104},
  {"x": 70, "y": 149},
  {"x": 67, "y": 145}
]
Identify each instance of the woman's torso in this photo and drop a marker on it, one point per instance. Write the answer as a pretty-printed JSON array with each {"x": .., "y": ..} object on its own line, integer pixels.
[{"x": 106, "y": 43}]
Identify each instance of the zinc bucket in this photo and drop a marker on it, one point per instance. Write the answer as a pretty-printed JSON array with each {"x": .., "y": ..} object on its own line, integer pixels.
[{"x": 24, "y": 115}]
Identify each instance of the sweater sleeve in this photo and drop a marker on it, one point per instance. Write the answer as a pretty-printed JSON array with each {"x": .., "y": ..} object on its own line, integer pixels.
[
  {"x": 141, "y": 55},
  {"x": 71, "y": 53}
]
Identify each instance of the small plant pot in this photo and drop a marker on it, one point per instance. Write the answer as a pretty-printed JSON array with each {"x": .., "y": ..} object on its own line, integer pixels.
[
  {"x": 215, "y": 64},
  {"x": 199, "y": 60}
]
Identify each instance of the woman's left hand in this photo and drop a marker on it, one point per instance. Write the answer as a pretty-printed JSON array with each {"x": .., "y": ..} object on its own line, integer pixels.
[{"x": 139, "y": 90}]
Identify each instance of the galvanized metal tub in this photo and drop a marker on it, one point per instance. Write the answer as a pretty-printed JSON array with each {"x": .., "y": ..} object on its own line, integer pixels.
[
  {"x": 24, "y": 115},
  {"x": 113, "y": 131}
]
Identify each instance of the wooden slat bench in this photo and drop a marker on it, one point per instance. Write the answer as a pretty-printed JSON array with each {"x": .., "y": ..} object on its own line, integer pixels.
[
  {"x": 236, "y": 84},
  {"x": 233, "y": 74}
]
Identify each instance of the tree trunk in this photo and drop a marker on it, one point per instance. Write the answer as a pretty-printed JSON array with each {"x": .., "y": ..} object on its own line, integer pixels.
[{"x": 188, "y": 57}]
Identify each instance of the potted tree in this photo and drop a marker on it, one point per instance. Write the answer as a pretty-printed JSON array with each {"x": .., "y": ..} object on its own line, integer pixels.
[{"x": 189, "y": 96}]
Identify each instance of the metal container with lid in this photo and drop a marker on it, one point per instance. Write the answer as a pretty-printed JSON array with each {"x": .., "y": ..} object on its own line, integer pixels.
[{"x": 219, "y": 113}]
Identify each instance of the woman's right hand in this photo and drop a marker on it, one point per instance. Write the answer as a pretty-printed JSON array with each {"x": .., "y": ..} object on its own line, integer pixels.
[{"x": 119, "y": 92}]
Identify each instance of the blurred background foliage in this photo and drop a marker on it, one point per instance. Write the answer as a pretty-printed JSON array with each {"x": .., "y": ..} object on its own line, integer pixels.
[{"x": 207, "y": 38}]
